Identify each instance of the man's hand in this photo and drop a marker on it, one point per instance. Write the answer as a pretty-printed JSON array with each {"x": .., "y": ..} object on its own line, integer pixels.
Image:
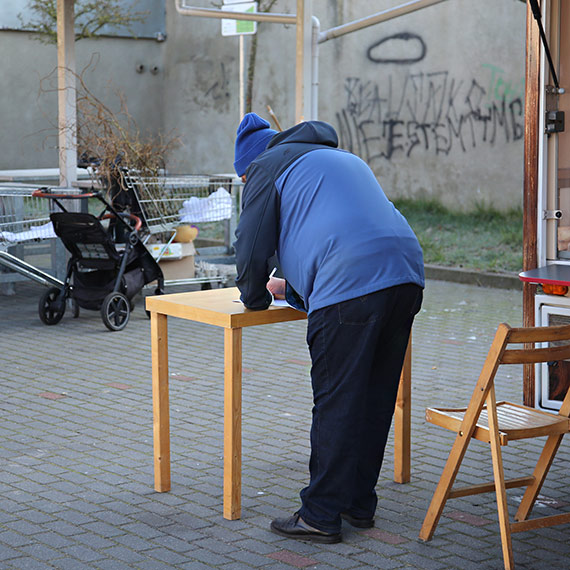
[{"x": 276, "y": 287}]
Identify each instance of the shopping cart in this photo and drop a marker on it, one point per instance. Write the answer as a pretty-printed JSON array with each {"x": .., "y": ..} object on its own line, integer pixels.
[
  {"x": 24, "y": 220},
  {"x": 211, "y": 203}
]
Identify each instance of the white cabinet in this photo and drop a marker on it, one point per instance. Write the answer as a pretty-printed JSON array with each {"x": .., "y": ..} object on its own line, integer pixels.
[{"x": 552, "y": 379}]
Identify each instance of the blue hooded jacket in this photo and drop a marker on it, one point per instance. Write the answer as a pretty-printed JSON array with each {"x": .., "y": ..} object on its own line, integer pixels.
[{"x": 336, "y": 234}]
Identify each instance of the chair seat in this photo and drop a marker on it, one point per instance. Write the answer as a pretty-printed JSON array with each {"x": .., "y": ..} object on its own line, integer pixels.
[{"x": 515, "y": 422}]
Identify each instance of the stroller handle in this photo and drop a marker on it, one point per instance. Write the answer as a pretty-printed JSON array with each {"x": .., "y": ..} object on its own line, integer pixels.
[
  {"x": 136, "y": 219},
  {"x": 47, "y": 193}
]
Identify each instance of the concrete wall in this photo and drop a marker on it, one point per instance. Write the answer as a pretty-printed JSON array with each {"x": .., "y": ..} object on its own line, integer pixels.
[
  {"x": 446, "y": 125},
  {"x": 432, "y": 101},
  {"x": 28, "y": 97},
  {"x": 201, "y": 92}
]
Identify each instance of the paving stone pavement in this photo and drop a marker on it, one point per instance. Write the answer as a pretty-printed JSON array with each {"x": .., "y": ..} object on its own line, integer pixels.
[{"x": 76, "y": 457}]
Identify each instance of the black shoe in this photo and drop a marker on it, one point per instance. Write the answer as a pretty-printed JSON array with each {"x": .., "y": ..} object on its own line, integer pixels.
[
  {"x": 357, "y": 522},
  {"x": 296, "y": 527}
]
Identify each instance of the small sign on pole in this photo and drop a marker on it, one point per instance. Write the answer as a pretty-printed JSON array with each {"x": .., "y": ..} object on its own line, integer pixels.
[{"x": 239, "y": 27}]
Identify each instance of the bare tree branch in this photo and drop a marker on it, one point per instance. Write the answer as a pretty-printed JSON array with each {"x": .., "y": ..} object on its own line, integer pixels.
[{"x": 90, "y": 17}]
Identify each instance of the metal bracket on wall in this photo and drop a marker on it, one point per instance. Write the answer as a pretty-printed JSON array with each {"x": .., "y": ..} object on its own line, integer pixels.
[
  {"x": 554, "y": 122},
  {"x": 551, "y": 214}
]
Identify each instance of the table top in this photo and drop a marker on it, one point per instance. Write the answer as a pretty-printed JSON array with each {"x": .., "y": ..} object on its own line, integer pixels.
[
  {"x": 219, "y": 307},
  {"x": 555, "y": 274}
]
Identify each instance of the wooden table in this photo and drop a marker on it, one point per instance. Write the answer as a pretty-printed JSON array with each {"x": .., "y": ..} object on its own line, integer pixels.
[{"x": 218, "y": 307}]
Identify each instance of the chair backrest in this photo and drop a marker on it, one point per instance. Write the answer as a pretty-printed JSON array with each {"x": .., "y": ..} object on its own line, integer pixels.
[
  {"x": 86, "y": 239},
  {"x": 540, "y": 344},
  {"x": 500, "y": 353},
  {"x": 557, "y": 338}
]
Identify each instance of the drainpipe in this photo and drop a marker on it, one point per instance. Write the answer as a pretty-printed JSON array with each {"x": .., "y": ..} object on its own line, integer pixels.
[
  {"x": 377, "y": 18},
  {"x": 219, "y": 14}
]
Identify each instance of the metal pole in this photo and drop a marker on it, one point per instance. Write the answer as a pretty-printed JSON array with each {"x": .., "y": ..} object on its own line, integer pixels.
[
  {"x": 255, "y": 16},
  {"x": 316, "y": 28},
  {"x": 67, "y": 111},
  {"x": 303, "y": 61},
  {"x": 377, "y": 18},
  {"x": 552, "y": 202},
  {"x": 307, "y": 60},
  {"x": 538, "y": 17},
  {"x": 241, "y": 79},
  {"x": 299, "y": 63}
]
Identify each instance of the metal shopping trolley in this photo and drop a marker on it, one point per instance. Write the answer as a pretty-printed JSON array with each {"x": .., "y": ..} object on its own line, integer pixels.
[
  {"x": 210, "y": 203},
  {"x": 24, "y": 221}
]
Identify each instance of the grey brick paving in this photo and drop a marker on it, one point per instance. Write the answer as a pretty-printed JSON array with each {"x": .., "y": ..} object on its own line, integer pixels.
[{"x": 76, "y": 457}]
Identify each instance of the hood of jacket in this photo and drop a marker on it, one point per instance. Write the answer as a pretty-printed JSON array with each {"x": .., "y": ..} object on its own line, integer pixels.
[{"x": 312, "y": 132}]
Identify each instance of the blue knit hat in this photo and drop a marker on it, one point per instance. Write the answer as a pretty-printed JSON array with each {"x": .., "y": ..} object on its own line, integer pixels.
[{"x": 253, "y": 136}]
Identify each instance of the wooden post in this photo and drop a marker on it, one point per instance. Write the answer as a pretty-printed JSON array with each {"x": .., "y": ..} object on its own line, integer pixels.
[
  {"x": 160, "y": 401},
  {"x": 232, "y": 423},
  {"x": 403, "y": 421},
  {"x": 67, "y": 106},
  {"x": 530, "y": 198}
]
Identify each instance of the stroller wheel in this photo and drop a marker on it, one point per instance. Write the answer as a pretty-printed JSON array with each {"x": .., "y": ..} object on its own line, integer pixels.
[
  {"x": 50, "y": 308},
  {"x": 115, "y": 311}
]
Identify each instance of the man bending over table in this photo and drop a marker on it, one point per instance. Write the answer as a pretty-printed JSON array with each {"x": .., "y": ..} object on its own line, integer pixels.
[{"x": 352, "y": 262}]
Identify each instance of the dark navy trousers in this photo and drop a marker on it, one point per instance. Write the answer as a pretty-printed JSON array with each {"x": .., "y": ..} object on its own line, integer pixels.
[{"x": 357, "y": 350}]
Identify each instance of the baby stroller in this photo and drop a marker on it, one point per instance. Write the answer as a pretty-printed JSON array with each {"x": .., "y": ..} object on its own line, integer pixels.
[{"x": 99, "y": 275}]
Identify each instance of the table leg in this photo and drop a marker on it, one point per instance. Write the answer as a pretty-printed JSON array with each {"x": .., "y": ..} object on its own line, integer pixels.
[
  {"x": 160, "y": 407},
  {"x": 232, "y": 423},
  {"x": 402, "y": 421}
]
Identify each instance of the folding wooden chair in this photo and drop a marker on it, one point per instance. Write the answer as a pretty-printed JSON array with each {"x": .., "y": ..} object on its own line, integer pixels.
[{"x": 498, "y": 423}]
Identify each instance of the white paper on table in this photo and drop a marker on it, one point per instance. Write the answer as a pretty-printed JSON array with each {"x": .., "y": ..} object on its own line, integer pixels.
[{"x": 275, "y": 302}]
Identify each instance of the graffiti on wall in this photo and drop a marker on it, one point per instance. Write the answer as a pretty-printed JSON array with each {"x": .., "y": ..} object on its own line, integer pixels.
[
  {"x": 403, "y": 48},
  {"x": 209, "y": 87},
  {"x": 219, "y": 86},
  {"x": 430, "y": 111}
]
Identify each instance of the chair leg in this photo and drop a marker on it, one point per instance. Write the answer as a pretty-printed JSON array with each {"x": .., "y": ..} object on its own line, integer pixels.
[
  {"x": 540, "y": 472},
  {"x": 500, "y": 489},
  {"x": 444, "y": 486},
  {"x": 502, "y": 509}
]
